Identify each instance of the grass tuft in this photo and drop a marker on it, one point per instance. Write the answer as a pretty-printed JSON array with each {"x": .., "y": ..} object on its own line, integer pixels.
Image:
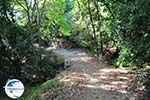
[{"x": 33, "y": 92}]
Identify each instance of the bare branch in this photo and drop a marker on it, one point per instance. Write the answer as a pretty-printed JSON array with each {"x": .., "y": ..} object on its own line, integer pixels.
[{"x": 22, "y": 5}]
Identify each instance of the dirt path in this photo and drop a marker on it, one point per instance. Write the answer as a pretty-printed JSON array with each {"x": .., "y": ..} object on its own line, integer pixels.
[{"x": 89, "y": 79}]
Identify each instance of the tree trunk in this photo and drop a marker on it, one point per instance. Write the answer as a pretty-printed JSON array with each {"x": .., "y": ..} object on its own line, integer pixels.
[
  {"x": 99, "y": 25},
  {"x": 93, "y": 27}
]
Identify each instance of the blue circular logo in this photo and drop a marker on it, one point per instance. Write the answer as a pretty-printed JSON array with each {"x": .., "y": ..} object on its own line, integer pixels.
[{"x": 14, "y": 88}]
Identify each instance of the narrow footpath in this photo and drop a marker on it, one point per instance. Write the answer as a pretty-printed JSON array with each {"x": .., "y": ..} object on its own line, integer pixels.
[{"x": 90, "y": 79}]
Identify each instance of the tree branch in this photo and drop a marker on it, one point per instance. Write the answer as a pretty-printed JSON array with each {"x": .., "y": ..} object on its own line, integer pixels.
[{"x": 22, "y": 5}]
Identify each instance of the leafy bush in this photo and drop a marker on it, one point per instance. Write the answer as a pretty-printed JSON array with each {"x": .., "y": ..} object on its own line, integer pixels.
[
  {"x": 34, "y": 92},
  {"x": 132, "y": 24},
  {"x": 143, "y": 77},
  {"x": 19, "y": 58},
  {"x": 38, "y": 67},
  {"x": 14, "y": 46}
]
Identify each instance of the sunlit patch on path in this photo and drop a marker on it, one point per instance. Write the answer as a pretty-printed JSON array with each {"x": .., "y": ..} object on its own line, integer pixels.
[{"x": 108, "y": 79}]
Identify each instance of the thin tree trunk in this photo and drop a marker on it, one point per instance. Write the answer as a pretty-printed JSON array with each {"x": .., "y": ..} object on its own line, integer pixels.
[
  {"x": 99, "y": 25},
  {"x": 93, "y": 27}
]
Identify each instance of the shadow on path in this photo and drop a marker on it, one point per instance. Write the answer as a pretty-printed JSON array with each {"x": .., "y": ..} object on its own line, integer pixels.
[{"x": 89, "y": 79}]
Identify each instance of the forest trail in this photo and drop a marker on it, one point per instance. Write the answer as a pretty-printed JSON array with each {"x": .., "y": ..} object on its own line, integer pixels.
[{"x": 89, "y": 79}]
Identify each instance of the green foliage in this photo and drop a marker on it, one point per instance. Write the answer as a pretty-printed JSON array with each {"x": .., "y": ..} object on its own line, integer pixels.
[
  {"x": 55, "y": 12},
  {"x": 33, "y": 92},
  {"x": 14, "y": 46},
  {"x": 144, "y": 80},
  {"x": 19, "y": 58},
  {"x": 122, "y": 24},
  {"x": 38, "y": 67},
  {"x": 133, "y": 27}
]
